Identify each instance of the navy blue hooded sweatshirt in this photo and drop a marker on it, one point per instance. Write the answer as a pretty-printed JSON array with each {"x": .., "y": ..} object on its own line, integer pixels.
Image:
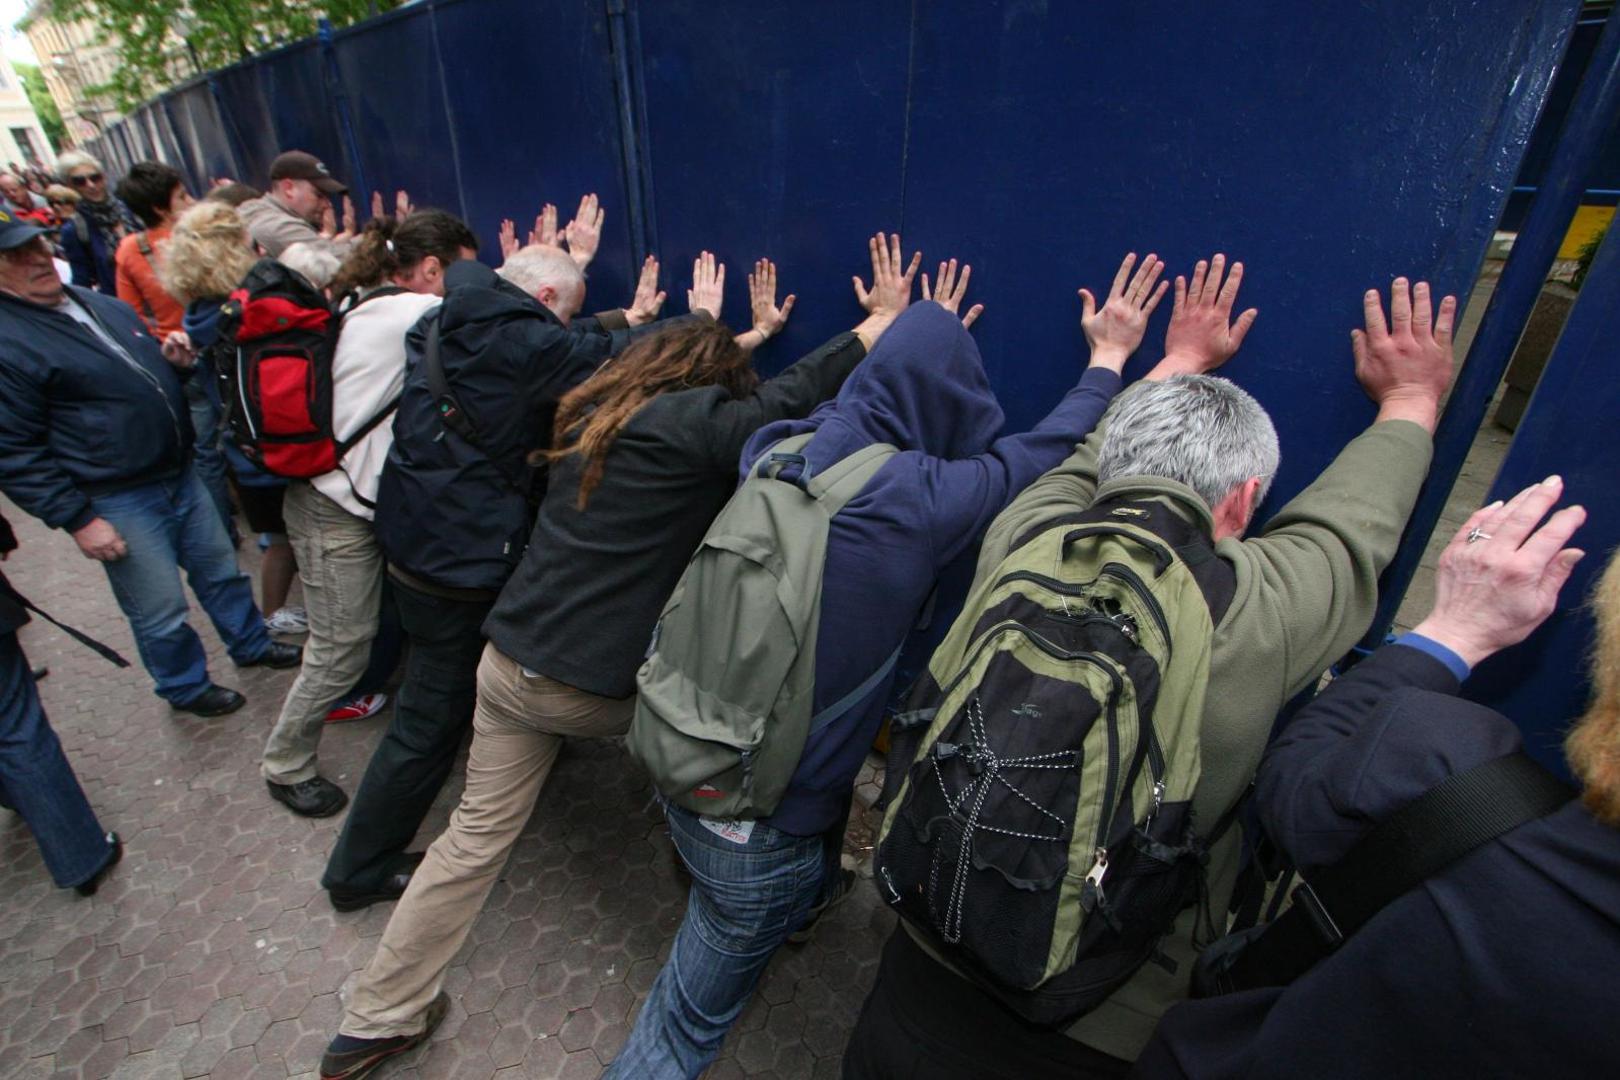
[
  {"x": 923, "y": 389},
  {"x": 1503, "y": 964}
]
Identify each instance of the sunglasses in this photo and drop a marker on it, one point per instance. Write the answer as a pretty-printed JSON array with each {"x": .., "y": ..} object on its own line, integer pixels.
[{"x": 87, "y": 178}]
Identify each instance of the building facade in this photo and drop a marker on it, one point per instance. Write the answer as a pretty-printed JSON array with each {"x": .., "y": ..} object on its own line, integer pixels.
[
  {"x": 74, "y": 61},
  {"x": 22, "y": 139}
]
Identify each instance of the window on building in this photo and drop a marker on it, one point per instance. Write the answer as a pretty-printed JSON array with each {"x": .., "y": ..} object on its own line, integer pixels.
[{"x": 28, "y": 145}]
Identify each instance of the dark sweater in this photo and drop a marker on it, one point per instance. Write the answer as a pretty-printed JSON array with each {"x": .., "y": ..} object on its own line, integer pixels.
[
  {"x": 582, "y": 604},
  {"x": 1501, "y": 965},
  {"x": 923, "y": 390}
]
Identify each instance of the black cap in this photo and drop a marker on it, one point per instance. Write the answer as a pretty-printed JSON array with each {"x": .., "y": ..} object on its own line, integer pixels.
[
  {"x": 297, "y": 165},
  {"x": 17, "y": 231}
]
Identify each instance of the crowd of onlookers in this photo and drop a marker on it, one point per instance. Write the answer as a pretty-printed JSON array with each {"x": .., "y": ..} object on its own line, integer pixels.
[{"x": 550, "y": 524}]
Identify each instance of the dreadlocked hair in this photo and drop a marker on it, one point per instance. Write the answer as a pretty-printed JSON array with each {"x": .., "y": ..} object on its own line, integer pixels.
[
  {"x": 682, "y": 357},
  {"x": 1593, "y": 746}
]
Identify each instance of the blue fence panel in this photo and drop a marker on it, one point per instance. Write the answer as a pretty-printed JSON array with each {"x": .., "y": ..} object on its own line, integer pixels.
[
  {"x": 205, "y": 141},
  {"x": 295, "y": 83},
  {"x": 245, "y": 112},
  {"x": 775, "y": 130},
  {"x": 389, "y": 70},
  {"x": 534, "y": 116},
  {"x": 1329, "y": 151},
  {"x": 165, "y": 143},
  {"x": 1569, "y": 430}
]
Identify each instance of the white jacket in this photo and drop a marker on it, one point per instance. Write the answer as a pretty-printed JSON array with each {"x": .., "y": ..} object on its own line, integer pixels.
[{"x": 368, "y": 372}]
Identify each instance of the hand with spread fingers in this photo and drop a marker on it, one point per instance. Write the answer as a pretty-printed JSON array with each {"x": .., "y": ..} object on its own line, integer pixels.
[
  {"x": 1405, "y": 365},
  {"x": 649, "y": 299},
  {"x": 402, "y": 205},
  {"x": 1115, "y": 330},
  {"x": 349, "y": 226},
  {"x": 951, "y": 290},
  {"x": 584, "y": 232},
  {"x": 890, "y": 293},
  {"x": 509, "y": 240},
  {"x": 1499, "y": 577},
  {"x": 768, "y": 318},
  {"x": 545, "y": 227},
  {"x": 1202, "y": 334},
  {"x": 376, "y": 204},
  {"x": 708, "y": 285}
]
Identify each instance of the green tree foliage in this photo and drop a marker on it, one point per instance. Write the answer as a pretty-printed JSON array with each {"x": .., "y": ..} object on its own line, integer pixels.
[
  {"x": 159, "y": 42},
  {"x": 50, "y": 117}
]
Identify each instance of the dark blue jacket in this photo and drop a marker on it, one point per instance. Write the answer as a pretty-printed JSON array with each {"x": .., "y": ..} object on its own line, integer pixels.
[
  {"x": 450, "y": 513},
  {"x": 93, "y": 261},
  {"x": 76, "y": 418},
  {"x": 1501, "y": 965},
  {"x": 924, "y": 390}
]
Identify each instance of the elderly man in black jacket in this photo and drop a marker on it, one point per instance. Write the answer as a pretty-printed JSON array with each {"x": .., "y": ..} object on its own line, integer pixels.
[
  {"x": 1502, "y": 963},
  {"x": 454, "y": 510},
  {"x": 96, "y": 439}
]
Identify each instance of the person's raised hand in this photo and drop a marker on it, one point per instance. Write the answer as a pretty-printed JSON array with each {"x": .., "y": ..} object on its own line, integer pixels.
[
  {"x": 708, "y": 285},
  {"x": 1500, "y": 575},
  {"x": 1202, "y": 334},
  {"x": 951, "y": 290},
  {"x": 328, "y": 228},
  {"x": 1115, "y": 329},
  {"x": 649, "y": 299},
  {"x": 584, "y": 233},
  {"x": 376, "y": 205},
  {"x": 177, "y": 349},
  {"x": 890, "y": 293},
  {"x": 509, "y": 240},
  {"x": 348, "y": 220},
  {"x": 402, "y": 206},
  {"x": 99, "y": 540},
  {"x": 768, "y": 318},
  {"x": 1405, "y": 365},
  {"x": 545, "y": 227}
]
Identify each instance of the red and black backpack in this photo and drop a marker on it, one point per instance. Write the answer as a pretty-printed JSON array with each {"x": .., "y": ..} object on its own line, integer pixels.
[{"x": 276, "y": 377}]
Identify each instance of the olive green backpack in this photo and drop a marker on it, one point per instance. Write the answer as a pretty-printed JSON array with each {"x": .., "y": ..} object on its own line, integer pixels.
[
  {"x": 1040, "y": 834},
  {"x": 723, "y": 702}
]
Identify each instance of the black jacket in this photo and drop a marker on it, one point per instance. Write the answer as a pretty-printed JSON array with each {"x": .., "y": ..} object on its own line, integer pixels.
[
  {"x": 1501, "y": 965},
  {"x": 582, "y": 605},
  {"x": 457, "y": 515},
  {"x": 12, "y": 613},
  {"x": 78, "y": 419}
]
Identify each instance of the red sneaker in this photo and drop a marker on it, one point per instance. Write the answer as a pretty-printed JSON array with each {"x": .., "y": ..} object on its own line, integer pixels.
[{"x": 357, "y": 708}]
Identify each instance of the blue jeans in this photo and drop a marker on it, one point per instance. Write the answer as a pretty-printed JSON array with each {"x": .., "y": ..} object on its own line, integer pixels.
[
  {"x": 746, "y": 899},
  {"x": 166, "y": 526},
  {"x": 37, "y": 781},
  {"x": 209, "y": 459}
]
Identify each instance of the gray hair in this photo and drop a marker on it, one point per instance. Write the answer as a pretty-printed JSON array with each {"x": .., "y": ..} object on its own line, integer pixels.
[
  {"x": 535, "y": 265},
  {"x": 316, "y": 261},
  {"x": 75, "y": 159},
  {"x": 1200, "y": 430}
]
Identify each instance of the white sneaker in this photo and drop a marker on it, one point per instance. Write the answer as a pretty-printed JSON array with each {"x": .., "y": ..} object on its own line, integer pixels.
[{"x": 289, "y": 620}]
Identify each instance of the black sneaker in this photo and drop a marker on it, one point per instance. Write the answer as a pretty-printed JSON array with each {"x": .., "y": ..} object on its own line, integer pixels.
[
  {"x": 841, "y": 887},
  {"x": 360, "y": 1057},
  {"x": 315, "y": 797},
  {"x": 278, "y": 655},
  {"x": 391, "y": 889},
  {"x": 214, "y": 701}
]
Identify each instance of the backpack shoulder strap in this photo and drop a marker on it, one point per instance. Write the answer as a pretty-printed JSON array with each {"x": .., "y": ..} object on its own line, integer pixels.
[
  {"x": 144, "y": 243},
  {"x": 1418, "y": 841},
  {"x": 451, "y": 414}
]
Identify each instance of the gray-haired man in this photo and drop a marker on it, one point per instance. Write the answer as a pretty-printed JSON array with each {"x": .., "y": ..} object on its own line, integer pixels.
[{"x": 1306, "y": 589}]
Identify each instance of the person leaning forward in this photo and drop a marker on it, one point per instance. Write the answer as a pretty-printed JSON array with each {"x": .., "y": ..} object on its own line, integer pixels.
[
  {"x": 95, "y": 439},
  {"x": 1306, "y": 589}
]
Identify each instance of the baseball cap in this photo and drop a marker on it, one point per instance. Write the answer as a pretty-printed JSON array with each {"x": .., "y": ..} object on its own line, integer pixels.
[
  {"x": 16, "y": 231},
  {"x": 297, "y": 165}
]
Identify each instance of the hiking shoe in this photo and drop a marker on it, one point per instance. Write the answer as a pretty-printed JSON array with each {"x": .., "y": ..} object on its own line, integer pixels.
[
  {"x": 839, "y": 889},
  {"x": 288, "y": 620},
  {"x": 278, "y": 654},
  {"x": 315, "y": 797},
  {"x": 357, "y": 708},
  {"x": 349, "y": 1058},
  {"x": 214, "y": 701}
]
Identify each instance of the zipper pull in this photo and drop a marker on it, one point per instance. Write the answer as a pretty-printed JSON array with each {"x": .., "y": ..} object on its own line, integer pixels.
[
  {"x": 1091, "y": 893},
  {"x": 1158, "y": 800}
]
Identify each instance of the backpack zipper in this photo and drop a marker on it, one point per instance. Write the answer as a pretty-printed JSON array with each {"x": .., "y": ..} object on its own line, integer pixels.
[{"x": 1134, "y": 582}]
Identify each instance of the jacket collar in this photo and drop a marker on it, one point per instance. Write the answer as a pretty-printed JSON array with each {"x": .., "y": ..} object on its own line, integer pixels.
[{"x": 1177, "y": 496}]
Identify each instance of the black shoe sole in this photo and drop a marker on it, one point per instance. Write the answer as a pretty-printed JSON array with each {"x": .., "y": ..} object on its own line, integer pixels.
[{"x": 320, "y": 813}]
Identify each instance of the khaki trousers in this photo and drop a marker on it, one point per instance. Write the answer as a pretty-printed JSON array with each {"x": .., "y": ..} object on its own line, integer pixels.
[{"x": 518, "y": 728}]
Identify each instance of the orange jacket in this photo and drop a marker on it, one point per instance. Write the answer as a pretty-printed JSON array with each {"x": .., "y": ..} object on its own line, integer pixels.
[{"x": 138, "y": 284}]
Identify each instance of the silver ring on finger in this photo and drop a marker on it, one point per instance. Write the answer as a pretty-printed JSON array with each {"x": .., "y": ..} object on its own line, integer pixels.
[{"x": 1476, "y": 534}]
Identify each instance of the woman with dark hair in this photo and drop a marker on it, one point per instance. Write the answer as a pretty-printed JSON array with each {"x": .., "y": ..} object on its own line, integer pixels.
[
  {"x": 393, "y": 275},
  {"x": 645, "y": 455}
]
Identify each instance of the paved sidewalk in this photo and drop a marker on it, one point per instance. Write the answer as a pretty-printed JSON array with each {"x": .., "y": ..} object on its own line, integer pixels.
[{"x": 211, "y": 950}]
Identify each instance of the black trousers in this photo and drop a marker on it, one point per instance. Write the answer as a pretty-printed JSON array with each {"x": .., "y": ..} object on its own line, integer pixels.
[
  {"x": 923, "y": 1021},
  {"x": 431, "y": 716}
]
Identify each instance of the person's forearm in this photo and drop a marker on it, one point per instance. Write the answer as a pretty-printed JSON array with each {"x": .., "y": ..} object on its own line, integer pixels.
[
  {"x": 871, "y": 328},
  {"x": 1421, "y": 409},
  {"x": 749, "y": 340}
]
